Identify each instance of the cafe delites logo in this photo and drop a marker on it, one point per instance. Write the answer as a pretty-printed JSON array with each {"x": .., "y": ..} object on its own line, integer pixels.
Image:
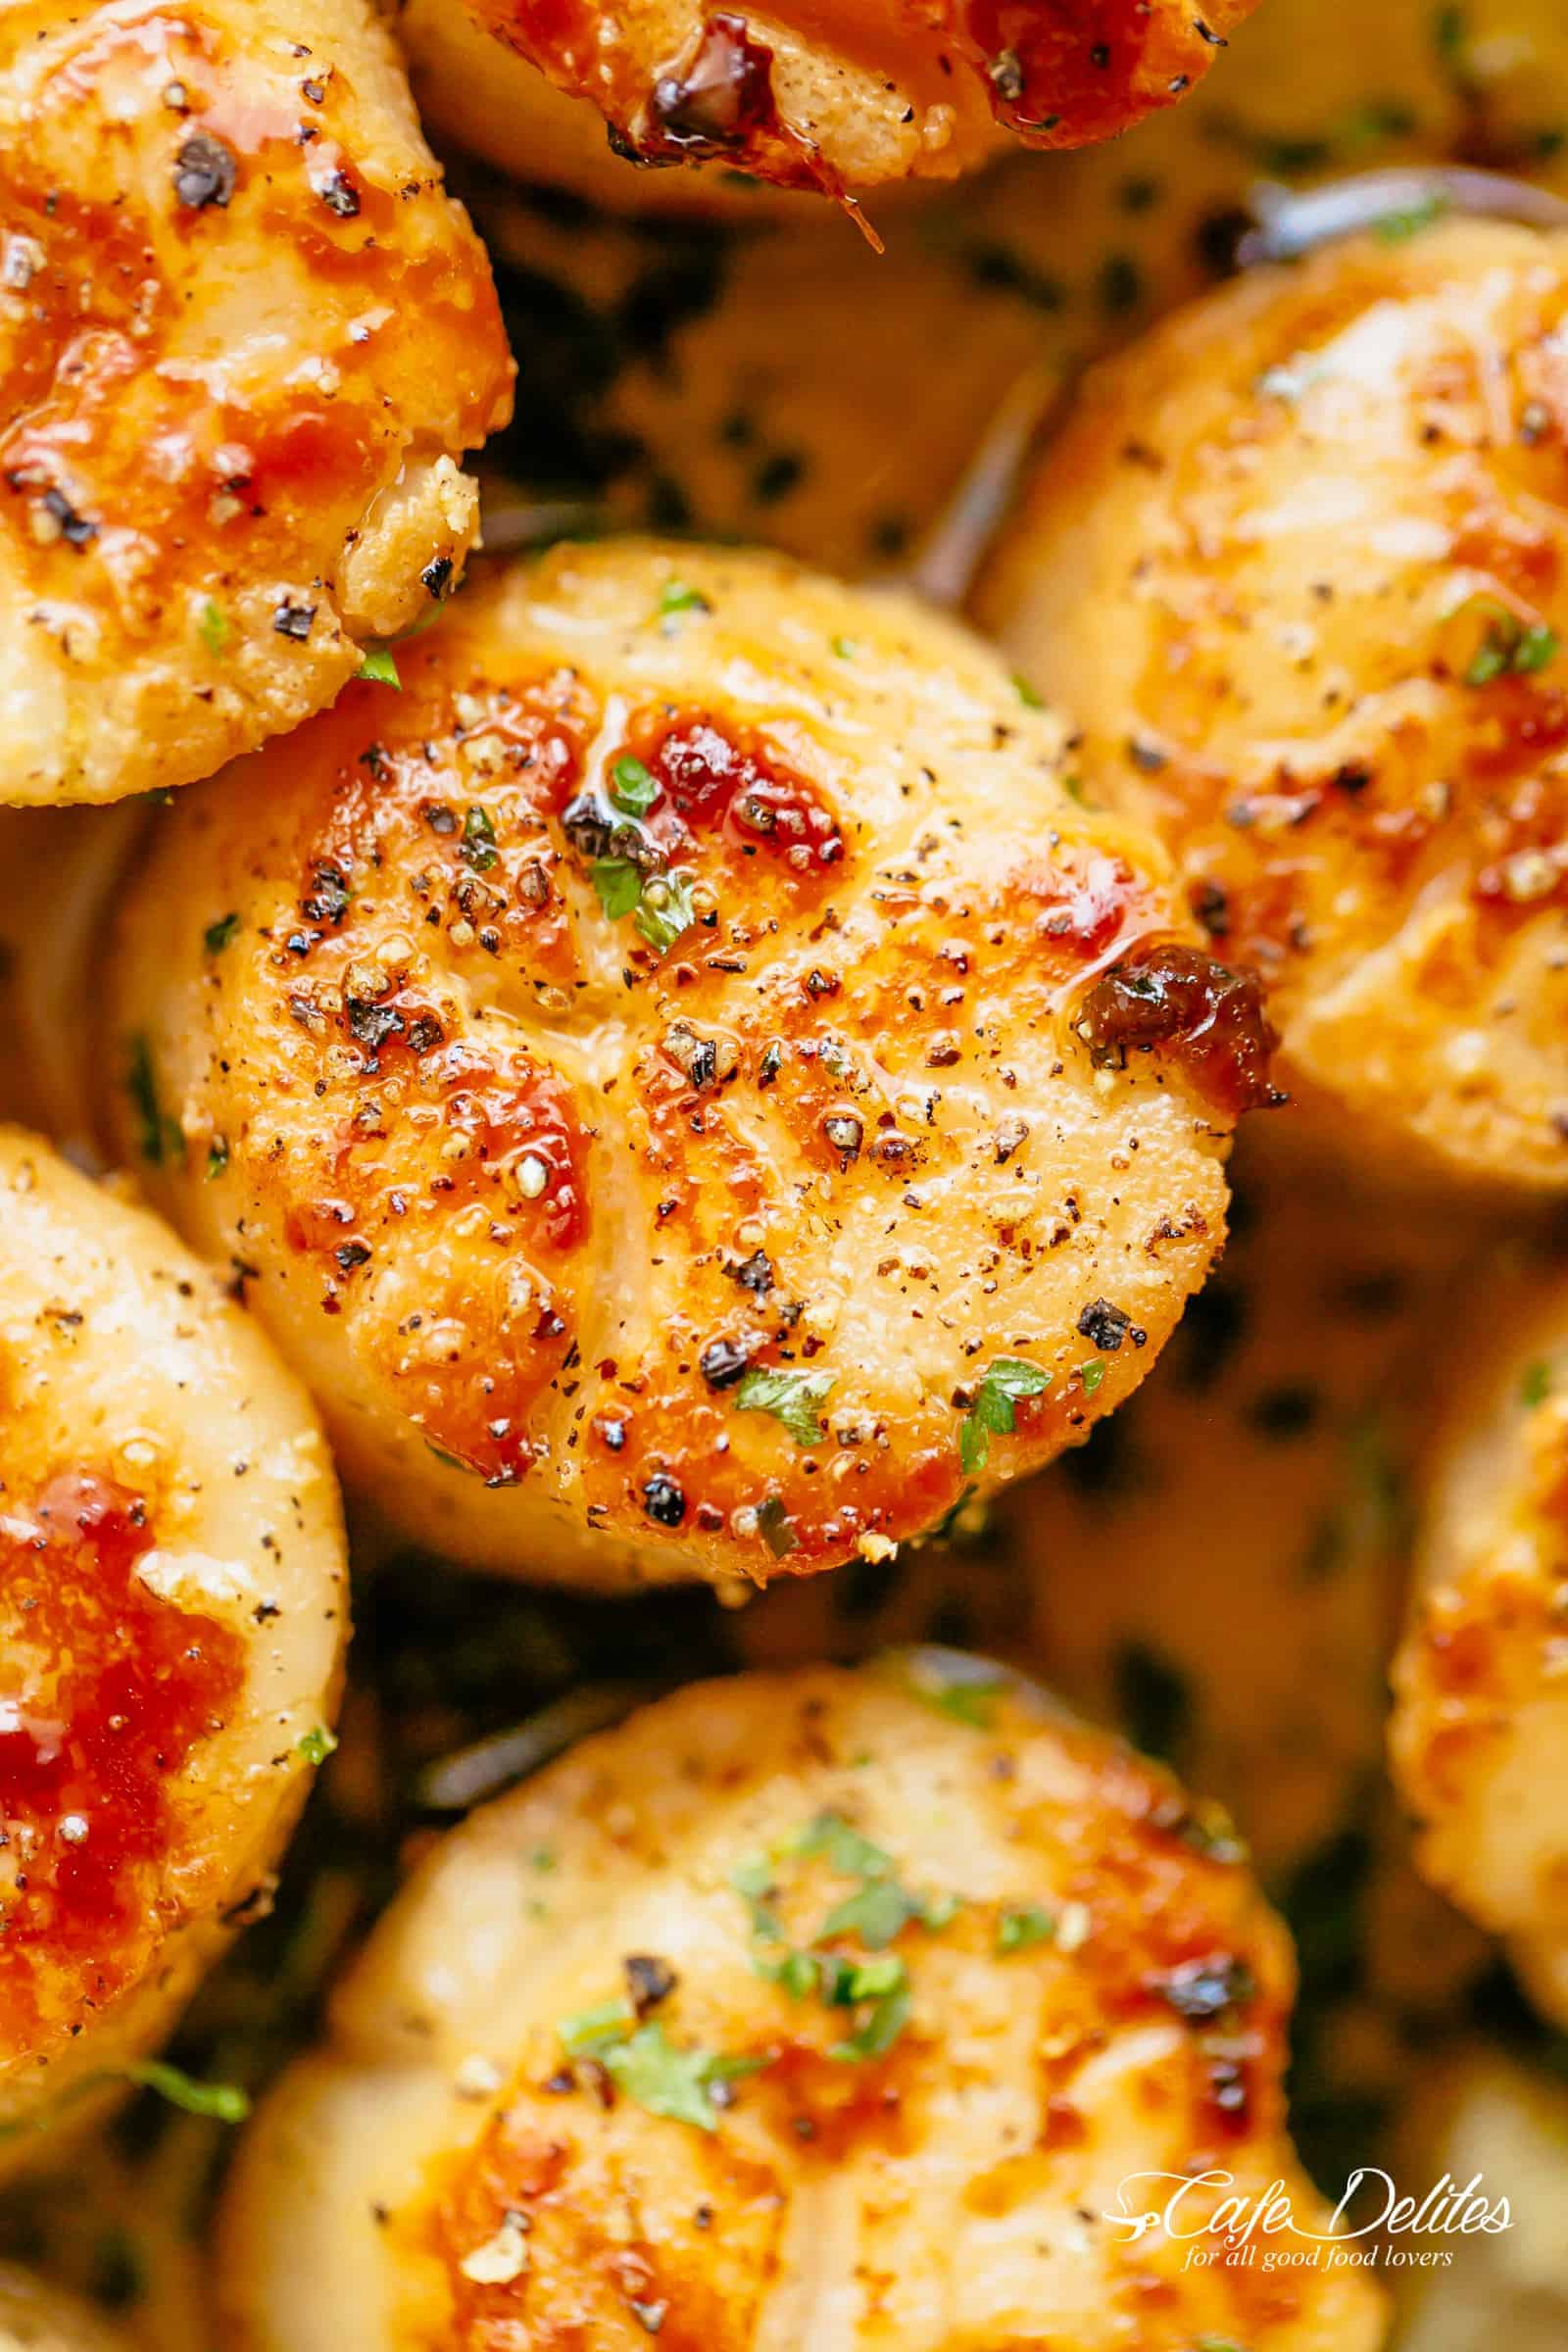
[{"x": 1375, "y": 2225}]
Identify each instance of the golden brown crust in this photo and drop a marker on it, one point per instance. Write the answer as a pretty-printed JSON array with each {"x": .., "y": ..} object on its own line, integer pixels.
[
  {"x": 668, "y": 1220},
  {"x": 244, "y": 338},
  {"x": 1080, "y": 1987},
  {"x": 171, "y": 1617},
  {"x": 842, "y": 98},
  {"x": 1299, "y": 566}
]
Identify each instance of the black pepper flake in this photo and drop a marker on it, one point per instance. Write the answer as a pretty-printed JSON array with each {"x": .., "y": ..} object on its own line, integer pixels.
[
  {"x": 1100, "y": 55},
  {"x": 426, "y": 1033},
  {"x": 437, "y": 577},
  {"x": 754, "y": 1274},
  {"x": 205, "y": 171},
  {"x": 1007, "y": 76},
  {"x": 1211, "y": 904},
  {"x": 844, "y": 1132},
  {"x": 75, "y": 528},
  {"x": 373, "y": 1024},
  {"x": 294, "y": 620},
  {"x": 1203, "y": 1990},
  {"x": 587, "y": 826},
  {"x": 664, "y": 1501},
  {"x": 1105, "y": 1326},
  {"x": 723, "y": 1362},
  {"x": 340, "y": 196},
  {"x": 328, "y": 900},
  {"x": 351, "y": 1256},
  {"x": 648, "y": 1980}
]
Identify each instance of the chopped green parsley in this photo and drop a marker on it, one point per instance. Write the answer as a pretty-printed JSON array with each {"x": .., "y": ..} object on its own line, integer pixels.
[
  {"x": 1020, "y": 1929},
  {"x": 791, "y": 1396},
  {"x": 1510, "y": 647},
  {"x": 1009, "y": 1378},
  {"x": 160, "y": 1138},
  {"x": 479, "y": 839},
  {"x": 631, "y": 787},
  {"x": 648, "y": 2067}
]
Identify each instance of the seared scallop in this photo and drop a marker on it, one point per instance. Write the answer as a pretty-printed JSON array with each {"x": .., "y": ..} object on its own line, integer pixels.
[
  {"x": 1299, "y": 566},
  {"x": 172, "y": 1607},
  {"x": 35, "y": 2318},
  {"x": 1480, "y": 1728},
  {"x": 683, "y": 1079},
  {"x": 1484, "y": 2117},
  {"x": 245, "y": 338},
  {"x": 838, "y": 98},
  {"x": 829, "y": 2009}
]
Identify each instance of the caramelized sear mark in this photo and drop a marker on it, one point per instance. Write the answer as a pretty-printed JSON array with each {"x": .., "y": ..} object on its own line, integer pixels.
[
  {"x": 538, "y": 2235},
  {"x": 740, "y": 791},
  {"x": 1176, "y": 1000},
  {"x": 105, "y": 1693},
  {"x": 1062, "y": 77}
]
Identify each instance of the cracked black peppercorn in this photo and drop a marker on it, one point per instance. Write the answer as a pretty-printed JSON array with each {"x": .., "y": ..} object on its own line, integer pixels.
[
  {"x": 205, "y": 171},
  {"x": 723, "y": 1362},
  {"x": 1203, "y": 1990},
  {"x": 648, "y": 1980},
  {"x": 340, "y": 196},
  {"x": 587, "y": 826},
  {"x": 664, "y": 1501},
  {"x": 1106, "y": 1326},
  {"x": 75, "y": 528},
  {"x": 754, "y": 1273}
]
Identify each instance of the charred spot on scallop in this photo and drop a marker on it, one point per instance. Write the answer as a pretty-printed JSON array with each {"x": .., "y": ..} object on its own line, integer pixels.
[
  {"x": 1179, "y": 1003},
  {"x": 714, "y": 782}
]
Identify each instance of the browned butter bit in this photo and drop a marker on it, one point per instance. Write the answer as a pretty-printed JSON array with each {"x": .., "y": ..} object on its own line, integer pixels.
[
  {"x": 723, "y": 98},
  {"x": 1165, "y": 998}
]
